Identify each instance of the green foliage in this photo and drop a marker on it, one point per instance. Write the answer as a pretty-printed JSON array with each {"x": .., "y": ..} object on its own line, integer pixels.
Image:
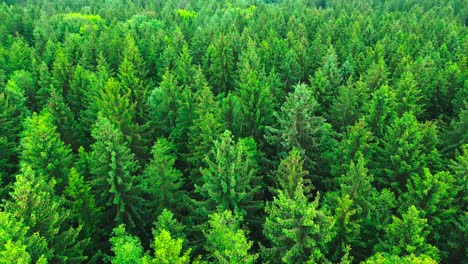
[
  {"x": 161, "y": 181},
  {"x": 43, "y": 150},
  {"x": 89, "y": 88},
  {"x": 167, "y": 222},
  {"x": 298, "y": 126},
  {"x": 206, "y": 128},
  {"x": 114, "y": 183},
  {"x": 164, "y": 104},
  {"x": 12, "y": 111},
  {"x": 407, "y": 236},
  {"x": 230, "y": 180},
  {"x": 298, "y": 231},
  {"x": 290, "y": 174},
  {"x": 391, "y": 259},
  {"x": 168, "y": 250},
  {"x": 33, "y": 201},
  {"x": 226, "y": 242},
  {"x": 126, "y": 248}
]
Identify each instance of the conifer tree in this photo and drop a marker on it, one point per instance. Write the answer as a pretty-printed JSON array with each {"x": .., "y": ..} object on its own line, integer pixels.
[
  {"x": 220, "y": 64},
  {"x": 33, "y": 201},
  {"x": 229, "y": 178},
  {"x": 290, "y": 174},
  {"x": 407, "y": 235},
  {"x": 297, "y": 230},
  {"x": 298, "y": 126},
  {"x": 43, "y": 150},
  {"x": 204, "y": 131},
  {"x": 434, "y": 196},
  {"x": 115, "y": 104},
  {"x": 17, "y": 243},
  {"x": 164, "y": 104},
  {"x": 12, "y": 111},
  {"x": 255, "y": 99},
  {"x": 126, "y": 248},
  {"x": 402, "y": 153},
  {"x": 161, "y": 181},
  {"x": 114, "y": 183},
  {"x": 226, "y": 242},
  {"x": 132, "y": 76}
]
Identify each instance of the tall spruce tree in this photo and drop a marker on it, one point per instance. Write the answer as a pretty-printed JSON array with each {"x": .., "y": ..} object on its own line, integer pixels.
[
  {"x": 298, "y": 126},
  {"x": 230, "y": 179},
  {"x": 226, "y": 241},
  {"x": 113, "y": 181},
  {"x": 44, "y": 152}
]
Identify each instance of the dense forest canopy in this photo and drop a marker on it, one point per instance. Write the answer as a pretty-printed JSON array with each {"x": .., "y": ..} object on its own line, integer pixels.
[{"x": 241, "y": 131}]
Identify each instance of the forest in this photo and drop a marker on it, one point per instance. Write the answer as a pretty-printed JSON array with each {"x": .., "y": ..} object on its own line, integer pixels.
[{"x": 237, "y": 131}]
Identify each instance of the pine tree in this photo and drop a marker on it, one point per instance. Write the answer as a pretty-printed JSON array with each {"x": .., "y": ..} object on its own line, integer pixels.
[
  {"x": 220, "y": 64},
  {"x": 230, "y": 180},
  {"x": 298, "y": 126},
  {"x": 161, "y": 181},
  {"x": 255, "y": 99},
  {"x": 81, "y": 201},
  {"x": 44, "y": 151},
  {"x": 402, "y": 153},
  {"x": 64, "y": 119},
  {"x": 407, "y": 236},
  {"x": 347, "y": 226},
  {"x": 167, "y": 250},
  {"x": 346, "y": 109},
  {"x": 290, "y": 174},
  {"x": 132, "y": 75},
  {"x": 206, "y": 128},
  {"x": 166, "y": 221},
  {"x": 226, "y": 242},
  {"x": 17, "y": 243},
  {"x": 126, "y": 248},
  {"x": 409, "y": 93},
  {"x": 164, "y": 104},
  {"x": 381, "y": 110},
  {"x": 33, "y": 201},
  {"x": 297, "y": 230},
  {"x": 115, "y": 104},
  {"x": 434, "y": 196},
  {"x": 114, "y": 183},
  {"x": 12, "y": 111}
]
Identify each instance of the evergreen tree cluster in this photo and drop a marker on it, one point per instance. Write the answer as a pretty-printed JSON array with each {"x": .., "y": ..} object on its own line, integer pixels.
[{"x": 240, "y": 131}]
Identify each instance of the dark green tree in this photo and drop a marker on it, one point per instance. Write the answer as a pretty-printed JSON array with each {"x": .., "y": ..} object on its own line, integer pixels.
[
  {"x": 12, "y": 112},
  {"x": 161, "y": 181},
  {"x": 164, "y": 104},
  {"x": 298, "y": 126},
  {"x": 114, "y": 183},
  {"x": 220, "y": 64}
]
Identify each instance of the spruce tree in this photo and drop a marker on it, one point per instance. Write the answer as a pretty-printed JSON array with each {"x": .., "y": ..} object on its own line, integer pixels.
[
  {"x": 229, "y": 178},
  {"x": 298, "y": 231},
  {"x": 34, "y": 202},
  {"x": 298, "y": 126},
  {"x": 407, "y": 235},
  {"x": 114, "y": 184},
  {"x": 226, "y": 242},
  {"x": 44, "y": 151},
  {"x": 161, "y": 181}
]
